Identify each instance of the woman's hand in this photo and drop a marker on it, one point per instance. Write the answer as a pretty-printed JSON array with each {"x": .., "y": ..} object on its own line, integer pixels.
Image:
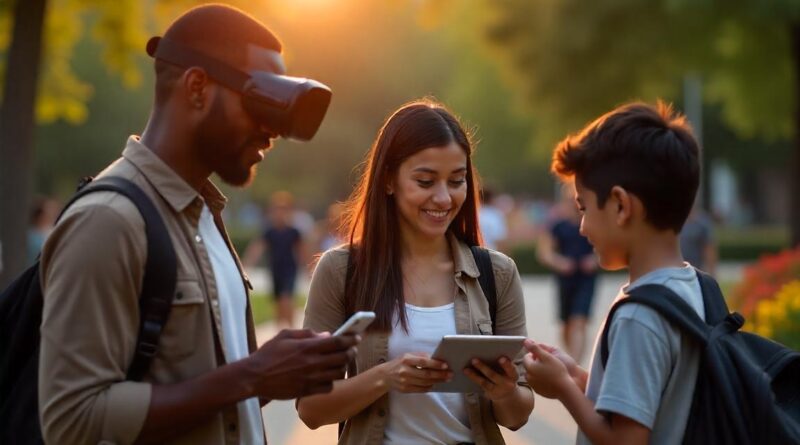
[
  {"x": 414, "y": 372},
  {"x": 496, "y": 385}
]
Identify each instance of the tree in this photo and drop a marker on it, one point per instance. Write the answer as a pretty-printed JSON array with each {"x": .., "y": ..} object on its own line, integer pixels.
[
  {"x": 575, "y": 60},
  {"x": 16, "y": 133},
  {"x": 40, "y": 86}
]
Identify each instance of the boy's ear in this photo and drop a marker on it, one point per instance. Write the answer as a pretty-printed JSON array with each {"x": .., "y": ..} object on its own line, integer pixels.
[{"x": 623, "y": 201}]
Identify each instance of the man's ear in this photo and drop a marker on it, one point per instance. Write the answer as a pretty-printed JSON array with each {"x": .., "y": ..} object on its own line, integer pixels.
[
  {"x": 622, "y": 201},
  {"x": 196, "y": 87}
]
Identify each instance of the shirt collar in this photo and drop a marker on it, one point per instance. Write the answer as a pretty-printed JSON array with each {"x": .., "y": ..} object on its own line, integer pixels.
[
  {"x": 463, "y": 261},
  {"x": 177, "y": 192}
]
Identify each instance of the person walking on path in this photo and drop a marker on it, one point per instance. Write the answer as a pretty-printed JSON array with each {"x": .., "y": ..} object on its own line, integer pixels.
[
  {"x": 208, "y": 380},
  {"x": 568, "y": 253},
  {"x": 285, "y": 245}
]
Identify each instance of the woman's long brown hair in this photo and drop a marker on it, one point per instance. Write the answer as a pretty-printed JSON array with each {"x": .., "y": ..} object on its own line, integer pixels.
[{"x": 376, "y": 279}]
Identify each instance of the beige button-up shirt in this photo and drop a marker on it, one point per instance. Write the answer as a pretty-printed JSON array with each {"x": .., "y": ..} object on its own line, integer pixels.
[
  {"x": 91, "y": 273},
  {"x": 325, "y": 311}
]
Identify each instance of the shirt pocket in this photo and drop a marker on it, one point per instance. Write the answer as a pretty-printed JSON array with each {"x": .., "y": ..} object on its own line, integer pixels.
[
  {"x": 179, "y": 337},
  {"x": 485, "y": 327}
]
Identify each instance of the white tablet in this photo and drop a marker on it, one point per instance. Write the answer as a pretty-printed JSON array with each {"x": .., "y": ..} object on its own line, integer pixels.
[{"x": 459, "y": 350}]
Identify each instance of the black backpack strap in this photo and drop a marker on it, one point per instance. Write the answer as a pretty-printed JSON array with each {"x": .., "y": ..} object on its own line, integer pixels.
[
  {"x": 160, "y": 271},
  {"x": 713, "y": 301},
  {"x": 486, "y": 280},
  {"x": 664, "y": 301}
]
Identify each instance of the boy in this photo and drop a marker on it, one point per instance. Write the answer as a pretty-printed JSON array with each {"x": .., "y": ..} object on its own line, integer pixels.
[{"x": 636, "y": 172}]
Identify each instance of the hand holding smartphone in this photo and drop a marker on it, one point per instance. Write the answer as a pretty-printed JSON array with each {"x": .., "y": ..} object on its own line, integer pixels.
[{"x": 357, "y": 323}]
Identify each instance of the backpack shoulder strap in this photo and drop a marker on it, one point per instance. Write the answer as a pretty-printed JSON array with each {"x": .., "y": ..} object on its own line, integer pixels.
[
  {"x": 664, "y": 301},
  {"x": 160, "y": 272},
  {"x": 486, "y": 280},
  {"x": 713, "y": 301}
]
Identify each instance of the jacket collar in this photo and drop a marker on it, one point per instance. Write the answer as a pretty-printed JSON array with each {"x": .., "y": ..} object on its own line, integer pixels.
[
  {"x": 177, "y": 192},
  {"x": 463, "y": 261}
]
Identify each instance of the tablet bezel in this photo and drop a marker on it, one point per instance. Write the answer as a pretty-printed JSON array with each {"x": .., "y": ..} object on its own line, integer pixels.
[{"x": 459, "y": 350}]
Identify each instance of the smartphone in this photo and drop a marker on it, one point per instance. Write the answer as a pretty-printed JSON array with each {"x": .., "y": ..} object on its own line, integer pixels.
[{"x": 357, "y": 323}]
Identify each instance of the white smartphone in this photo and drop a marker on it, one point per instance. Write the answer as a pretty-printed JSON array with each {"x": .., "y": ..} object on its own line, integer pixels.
[{"x": 357, "y": 323}]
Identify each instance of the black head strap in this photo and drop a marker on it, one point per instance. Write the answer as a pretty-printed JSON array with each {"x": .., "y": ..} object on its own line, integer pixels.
[{"x": 183, "y": 56}]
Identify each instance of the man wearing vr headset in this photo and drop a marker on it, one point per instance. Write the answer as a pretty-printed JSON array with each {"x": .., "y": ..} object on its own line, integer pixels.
[{"x": 221, "y": 96}]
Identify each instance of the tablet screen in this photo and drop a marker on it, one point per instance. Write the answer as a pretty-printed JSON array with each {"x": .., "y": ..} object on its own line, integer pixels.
[{"x": 459, "y": 350}]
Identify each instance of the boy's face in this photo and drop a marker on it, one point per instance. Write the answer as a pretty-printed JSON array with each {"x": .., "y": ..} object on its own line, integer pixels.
[{"x": 601, "y": 227}]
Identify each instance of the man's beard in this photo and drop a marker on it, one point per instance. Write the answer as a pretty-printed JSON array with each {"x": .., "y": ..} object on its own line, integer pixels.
[{"x": 215, "y": 142}]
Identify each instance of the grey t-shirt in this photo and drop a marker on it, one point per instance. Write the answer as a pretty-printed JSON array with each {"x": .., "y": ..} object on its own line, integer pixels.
[{"x": 652, "y": 367}]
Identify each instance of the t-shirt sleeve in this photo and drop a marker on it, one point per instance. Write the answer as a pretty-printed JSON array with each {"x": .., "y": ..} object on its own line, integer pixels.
[{"x": 637, "y": 370}]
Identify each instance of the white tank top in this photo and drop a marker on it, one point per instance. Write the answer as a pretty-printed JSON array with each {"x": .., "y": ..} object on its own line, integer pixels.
[{"x": 434, "y": 417}]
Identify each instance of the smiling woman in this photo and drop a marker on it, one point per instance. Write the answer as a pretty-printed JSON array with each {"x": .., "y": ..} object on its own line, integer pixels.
[{"x": 413, "y": 220}]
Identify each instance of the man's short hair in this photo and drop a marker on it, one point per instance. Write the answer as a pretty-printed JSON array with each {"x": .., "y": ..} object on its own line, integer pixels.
[
  {"x": 649, "y": 151},
  {"x": 219, "y": 31}
]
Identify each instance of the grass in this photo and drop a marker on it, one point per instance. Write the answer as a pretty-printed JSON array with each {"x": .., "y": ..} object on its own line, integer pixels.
[{"x": 263, "y": 306}]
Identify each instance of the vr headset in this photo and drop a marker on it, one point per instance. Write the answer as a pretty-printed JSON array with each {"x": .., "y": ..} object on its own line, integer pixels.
[{"x": 290, "y": 107}]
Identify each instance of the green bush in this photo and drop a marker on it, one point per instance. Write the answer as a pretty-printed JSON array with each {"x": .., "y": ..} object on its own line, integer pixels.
[
  {"x": 525, "y": 257},
  {"x": 751, "y": 243},
  {"x": 263, "y": 306}
]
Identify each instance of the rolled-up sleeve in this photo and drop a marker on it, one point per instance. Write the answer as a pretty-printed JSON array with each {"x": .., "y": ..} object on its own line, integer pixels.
[
  {"x": 91, "y": 272},
  {"x": 325, "y": 308},
  {"x": 510, "y": 306}
]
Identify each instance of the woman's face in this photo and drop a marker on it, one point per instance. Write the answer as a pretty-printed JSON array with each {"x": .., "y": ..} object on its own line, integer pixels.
[{"x": 429, "y": 189}]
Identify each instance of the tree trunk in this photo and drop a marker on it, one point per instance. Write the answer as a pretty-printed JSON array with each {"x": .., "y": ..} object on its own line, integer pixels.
[
  {"x": 794, "y": 166},
  {"x": 16, "y": 134}
]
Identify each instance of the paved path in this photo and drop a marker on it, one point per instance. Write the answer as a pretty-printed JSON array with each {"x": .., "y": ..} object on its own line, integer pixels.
[{"x": 549, "y": 424}]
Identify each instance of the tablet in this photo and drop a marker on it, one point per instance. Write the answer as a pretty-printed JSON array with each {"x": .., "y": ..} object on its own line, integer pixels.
[{"x": 459, "y": 350}]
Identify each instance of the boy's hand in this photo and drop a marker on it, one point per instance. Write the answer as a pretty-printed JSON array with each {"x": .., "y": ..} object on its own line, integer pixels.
[
  {"x": 572, "y": 366},
  {"x": 495, "y": 385},
  {"x": 546, "y": 373}
]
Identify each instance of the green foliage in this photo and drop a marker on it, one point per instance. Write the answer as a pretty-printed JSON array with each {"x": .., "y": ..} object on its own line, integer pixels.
[
  {"x": 577, "y": 59},
  {"x": 734, "y": 245},
  {"x": 750, "y": 244},
  {"x": 263, "y": 306}
]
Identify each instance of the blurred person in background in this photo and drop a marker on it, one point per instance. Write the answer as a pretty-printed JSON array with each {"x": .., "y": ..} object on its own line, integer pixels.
[
  {"x": 492, "y": 221},
  {"x": 568, "y": 253},
  {"x": 698, "y": 245},
  {"x": 284, "y": 242},
  {"x": 330, "y": 231},
  {"x": 43, "y": 218}
]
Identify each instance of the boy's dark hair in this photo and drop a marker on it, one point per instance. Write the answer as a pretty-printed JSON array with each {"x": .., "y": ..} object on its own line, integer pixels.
[{"x": 649, "y": 151}]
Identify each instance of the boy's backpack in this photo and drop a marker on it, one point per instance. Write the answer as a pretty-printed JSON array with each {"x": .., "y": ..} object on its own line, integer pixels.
[
  {"x": 748, "y": 387},
  {"x": 21, "y": 316}
]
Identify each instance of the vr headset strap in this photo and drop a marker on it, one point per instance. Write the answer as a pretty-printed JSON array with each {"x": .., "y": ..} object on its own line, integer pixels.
[{"x": 186, "y": 57}]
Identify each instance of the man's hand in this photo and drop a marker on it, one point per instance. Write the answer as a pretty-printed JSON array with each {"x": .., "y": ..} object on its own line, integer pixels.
[
  {"x": 546, "y": 373},
  {"x": 297, "y": 363}
]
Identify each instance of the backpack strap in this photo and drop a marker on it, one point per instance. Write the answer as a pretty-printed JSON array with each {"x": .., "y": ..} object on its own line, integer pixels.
[
  {"x": 713, "y": 301},
  {"x": 664, "y": 301},
  {"x": 160, "y": 270},
  {"x": 486, "y": 280}
]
